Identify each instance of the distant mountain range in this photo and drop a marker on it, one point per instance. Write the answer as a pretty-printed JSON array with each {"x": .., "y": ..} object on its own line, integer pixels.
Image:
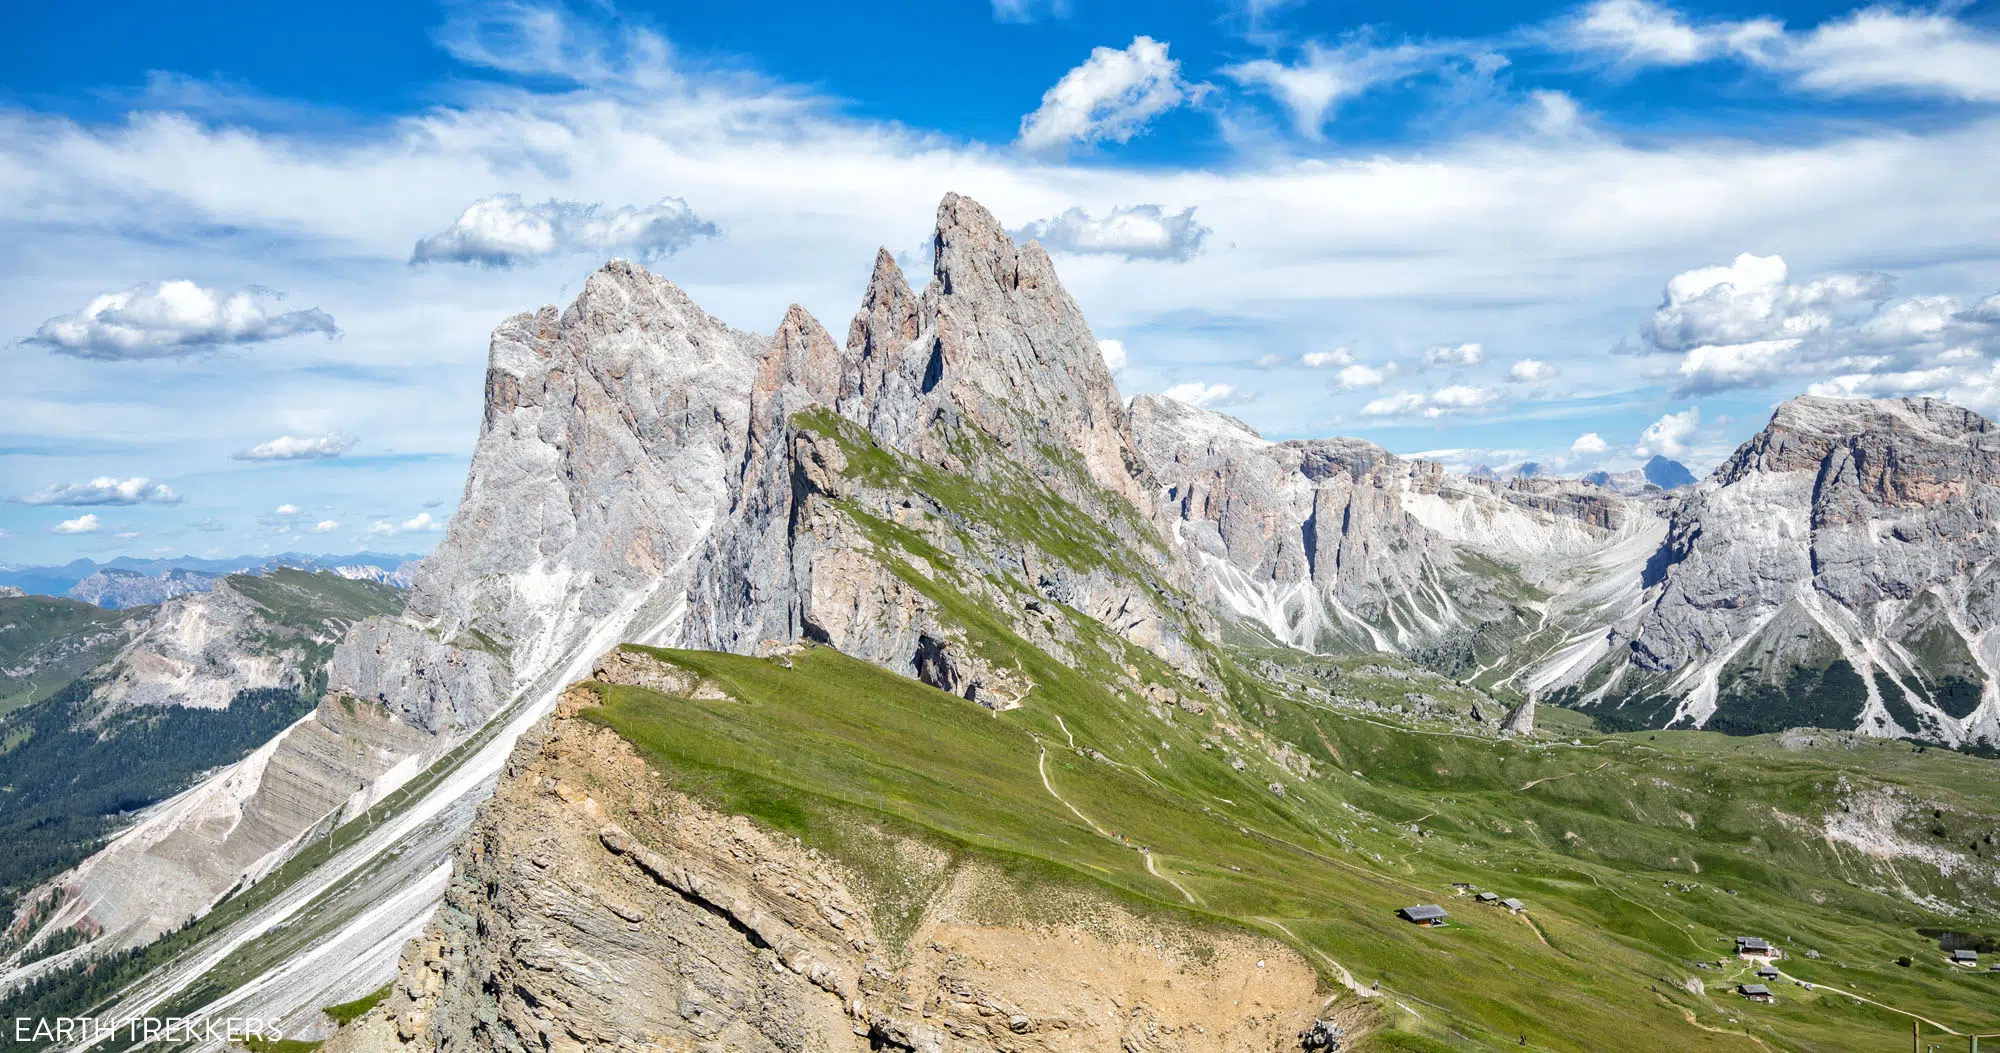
[
  {"x": 130, "y": 582},
  {"x": 1660, "y": 472}
]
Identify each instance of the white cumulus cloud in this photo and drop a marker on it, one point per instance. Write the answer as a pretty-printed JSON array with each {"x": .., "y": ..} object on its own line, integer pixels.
[
  {"x": 106, "y": 490},
  {"x": 1110, "y": 98},
  {"x": 297, "y": 448},
  {"x": 325, "y": 526},
  {"x": 1339, "y": 356},
  {"x": 501, "y": 231},
  {"x": 286, "y": 510},
  {"x": 1530, "y": 371},
  {"x": 1454, "y": 398},
  {"x": 1748, "y": 325},
  {"x": 1115, "y": 357},
  {"x": 1669, "y": 436},
  {"x": 1751, "y": 299},
  {"x": 1139, "y": 232},
  {"x": 1359, "y": 376},
  {"x": 417, "y": 524},
  {"x": 1198, "y": 394},
  {"x": 83, "y": 524},
  {"x": 168, "y": 319},
  {"x": 1394, "y": 405},
  {"x": 1452, "y": 357},
  {"x": 1589, "y": 444}
]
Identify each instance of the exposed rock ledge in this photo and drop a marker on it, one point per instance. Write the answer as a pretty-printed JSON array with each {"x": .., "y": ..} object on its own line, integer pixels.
[{"x": 595, "y": 907}]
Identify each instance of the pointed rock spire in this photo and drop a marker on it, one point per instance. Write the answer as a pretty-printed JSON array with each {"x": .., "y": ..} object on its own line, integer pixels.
[
  {"x": 881, "y": 331},
  {"x": 993, "y": 342}
]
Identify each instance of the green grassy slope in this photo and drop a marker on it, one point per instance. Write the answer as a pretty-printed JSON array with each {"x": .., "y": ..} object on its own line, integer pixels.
[
  {"x": 1639, "y": 853},
  {"x": 1594, "y": 964}
]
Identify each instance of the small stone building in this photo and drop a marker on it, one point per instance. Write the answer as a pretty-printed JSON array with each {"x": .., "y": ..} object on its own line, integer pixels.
[
  {"x": 1755, "y": 947},
  {"x": 1429, "y": 915}
]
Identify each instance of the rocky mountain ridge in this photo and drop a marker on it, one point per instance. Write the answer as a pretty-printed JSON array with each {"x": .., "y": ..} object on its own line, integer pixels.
[
  {"x": 118, "y": 589},
  {"x": 1850, "y": 540},
  {"x": 647, "y": 473},
  {"x": 1838, "y": 569}
]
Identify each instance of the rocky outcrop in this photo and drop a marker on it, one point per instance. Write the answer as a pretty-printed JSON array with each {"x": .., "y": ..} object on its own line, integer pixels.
[
  {"x": 643, "y": 474},
  {"x": 991, "y": 377},
  {"x": 1844, "y": 559},
  {"x": 201, "y": 649},
  {"x": 1522, "y": 720},
  {"x": 119, "y": 589},
  {"x": 995, "y": 341},
  {"x": 594, "y": 906}
]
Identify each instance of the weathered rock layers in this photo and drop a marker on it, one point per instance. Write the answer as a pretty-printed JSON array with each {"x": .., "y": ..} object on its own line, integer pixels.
[{"x": 594, "y": 907}]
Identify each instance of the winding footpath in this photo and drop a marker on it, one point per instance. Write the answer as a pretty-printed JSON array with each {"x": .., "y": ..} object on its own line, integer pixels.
[{"x": 1042, "y": 764}]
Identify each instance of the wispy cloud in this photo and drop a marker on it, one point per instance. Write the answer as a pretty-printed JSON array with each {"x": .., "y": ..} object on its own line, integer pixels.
[
  {"x": 297, "y": 448},
  {"x": 1879, "y": 48},
  {"x": 1455, "y": 357},
  {"x": 106, "y": 490},
  {"x": 1312, "y": 87},
  {"x": 1029, "y": 10}
]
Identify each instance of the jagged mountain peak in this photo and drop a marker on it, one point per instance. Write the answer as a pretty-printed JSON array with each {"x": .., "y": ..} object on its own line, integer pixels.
[{"x": 993, "y": 342}]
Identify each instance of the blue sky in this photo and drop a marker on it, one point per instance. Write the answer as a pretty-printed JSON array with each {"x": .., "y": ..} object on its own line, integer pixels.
[{"x": 255, "y": 250}]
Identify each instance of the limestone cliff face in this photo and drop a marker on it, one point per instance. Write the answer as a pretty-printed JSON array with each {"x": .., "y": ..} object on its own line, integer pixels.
[
  {"x": 641, "y": 475},
  {"x": 611, "y": 445},
  {"x": 609, "y": 450},
  {"x": 1847, "y": 530},
  {"x": 995, "y": 340},
  {"x": 1839, "y": 570},
  {"x": 1335, "y": 544},
  {"x": 595, "y": 907}
]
